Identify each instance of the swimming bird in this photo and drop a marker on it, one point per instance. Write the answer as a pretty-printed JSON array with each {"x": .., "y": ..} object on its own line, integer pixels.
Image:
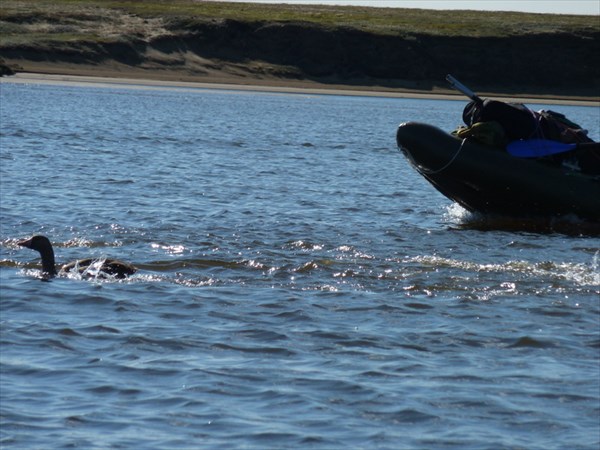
[{"x": 113, "y": 267}]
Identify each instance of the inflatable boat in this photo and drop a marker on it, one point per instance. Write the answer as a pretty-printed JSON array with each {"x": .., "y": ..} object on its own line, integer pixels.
[{"x": 490, "y": 180}]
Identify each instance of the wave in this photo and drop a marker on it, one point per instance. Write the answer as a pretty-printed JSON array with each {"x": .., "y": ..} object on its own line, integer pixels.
[{"x": 579, "y": 273}]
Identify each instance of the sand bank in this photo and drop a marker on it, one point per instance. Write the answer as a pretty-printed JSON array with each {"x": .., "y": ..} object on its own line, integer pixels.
[{"x": 305, "y": 88}]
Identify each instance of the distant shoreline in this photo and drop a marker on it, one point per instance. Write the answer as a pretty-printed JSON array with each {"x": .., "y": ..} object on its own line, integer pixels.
[
  {"x": 390, "y": 52},
  {"x": 132, "y": 80}
]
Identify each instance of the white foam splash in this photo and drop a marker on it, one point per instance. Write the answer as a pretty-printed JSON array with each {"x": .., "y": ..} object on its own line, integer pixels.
[
  {"x": 92, "y": 272},
  {"x": 456, "y": 214}
]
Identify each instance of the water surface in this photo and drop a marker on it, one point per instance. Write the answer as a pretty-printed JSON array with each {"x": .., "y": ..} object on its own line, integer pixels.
[{"x": 299, "y": 284}]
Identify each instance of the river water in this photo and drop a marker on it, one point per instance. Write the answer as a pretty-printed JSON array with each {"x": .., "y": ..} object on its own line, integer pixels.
[{"x": 299, "y": 284}]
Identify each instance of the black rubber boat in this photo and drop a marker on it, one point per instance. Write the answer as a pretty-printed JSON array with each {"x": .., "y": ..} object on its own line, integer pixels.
[{"x": 489, "y": 180}]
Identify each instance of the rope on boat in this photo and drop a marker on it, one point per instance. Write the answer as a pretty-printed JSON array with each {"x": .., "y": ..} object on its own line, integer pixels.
[{"x": 432, "y": 172}]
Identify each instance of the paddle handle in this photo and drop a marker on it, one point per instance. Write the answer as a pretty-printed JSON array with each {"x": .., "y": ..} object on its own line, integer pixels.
[{"x": 462, "y": 88}]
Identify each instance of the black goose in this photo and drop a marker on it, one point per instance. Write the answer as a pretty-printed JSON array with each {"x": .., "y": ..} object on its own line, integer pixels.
[{"x": 113, "y": 267}]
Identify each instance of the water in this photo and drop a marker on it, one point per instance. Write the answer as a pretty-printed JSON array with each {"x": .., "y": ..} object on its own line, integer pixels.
[{"x": 299, "y": 285}]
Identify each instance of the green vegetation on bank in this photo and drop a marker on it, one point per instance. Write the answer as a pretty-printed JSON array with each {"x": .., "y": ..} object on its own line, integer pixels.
[{"x": 96, "y": 20}]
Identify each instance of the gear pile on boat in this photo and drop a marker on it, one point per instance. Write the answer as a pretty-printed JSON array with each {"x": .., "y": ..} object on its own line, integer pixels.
[{"x": 509, "y": 160}]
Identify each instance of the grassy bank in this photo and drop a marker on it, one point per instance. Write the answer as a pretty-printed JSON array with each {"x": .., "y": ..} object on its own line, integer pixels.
[
  {"x": 387, "y": 47},
  {"x": 77, "y": 19}
]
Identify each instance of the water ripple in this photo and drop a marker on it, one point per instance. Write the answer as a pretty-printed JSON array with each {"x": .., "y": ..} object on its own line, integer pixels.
[{"x": 299, "y": 286}]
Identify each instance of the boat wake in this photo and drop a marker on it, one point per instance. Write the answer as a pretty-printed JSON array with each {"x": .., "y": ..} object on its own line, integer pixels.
[{"x": 569, "y": 225}]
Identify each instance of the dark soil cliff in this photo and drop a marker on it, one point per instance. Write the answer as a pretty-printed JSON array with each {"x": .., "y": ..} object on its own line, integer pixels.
[{"x": 538, "y": 62}]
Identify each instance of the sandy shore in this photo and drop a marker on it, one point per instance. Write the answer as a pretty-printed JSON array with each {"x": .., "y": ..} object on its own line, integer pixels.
[{"x": 274, "y": 86}]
